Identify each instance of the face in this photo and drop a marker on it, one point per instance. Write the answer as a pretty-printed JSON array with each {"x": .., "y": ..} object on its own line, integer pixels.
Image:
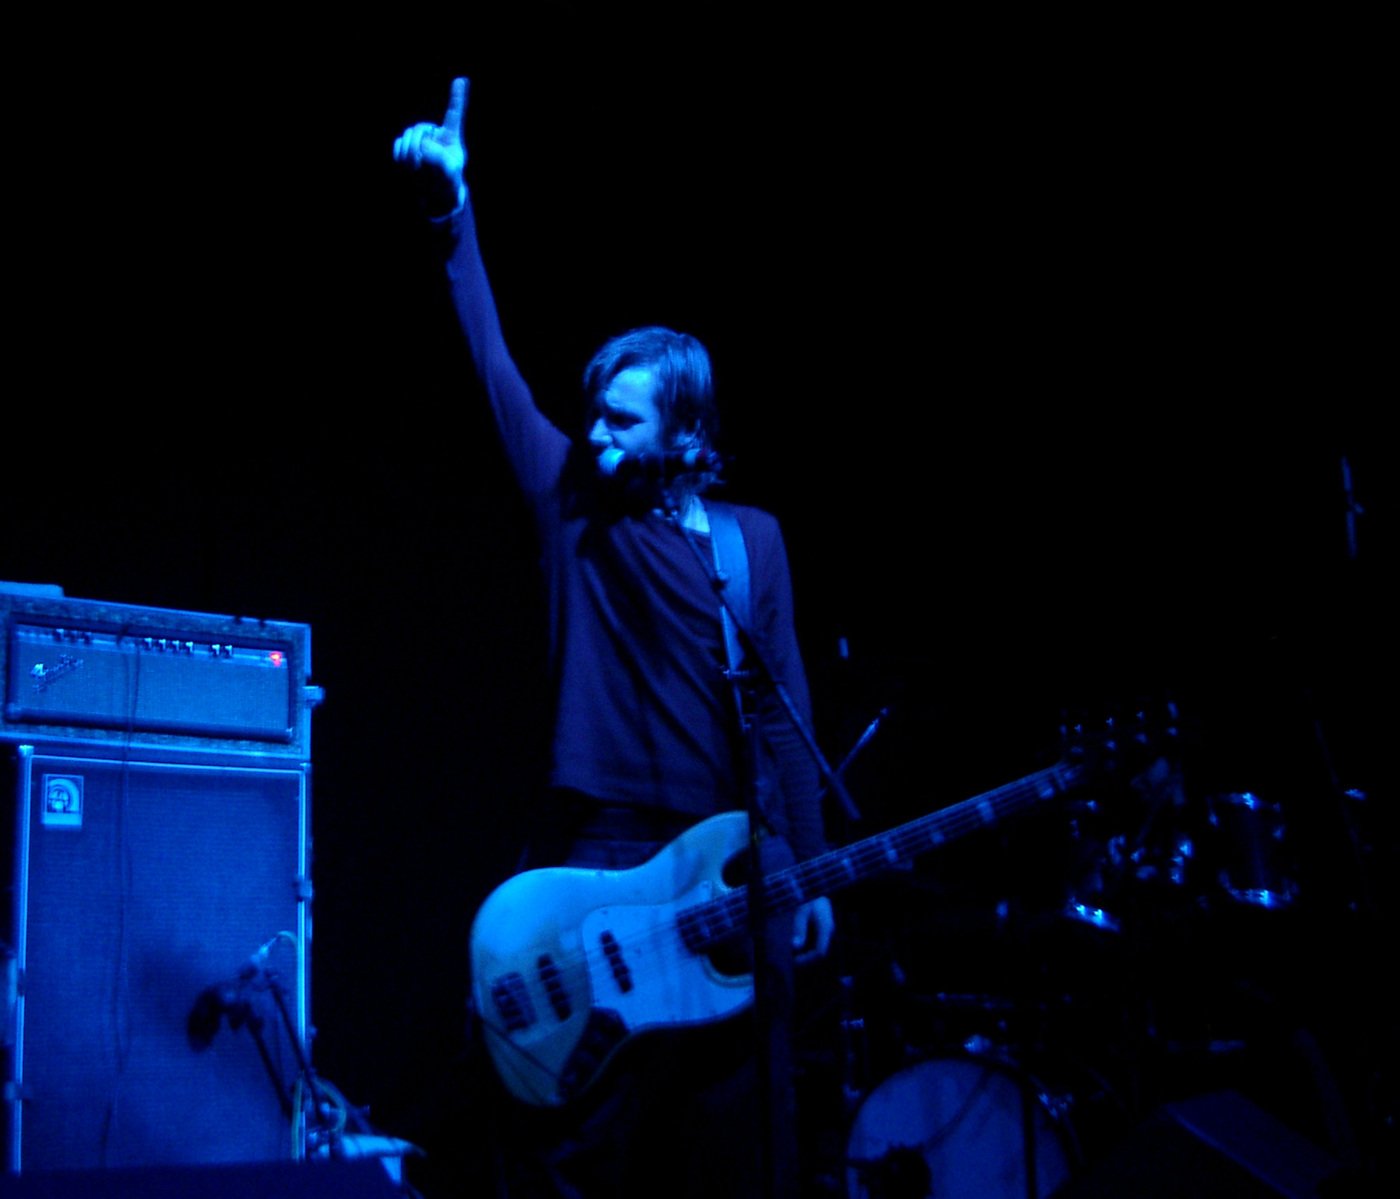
[{"x": 625, "y": 416}]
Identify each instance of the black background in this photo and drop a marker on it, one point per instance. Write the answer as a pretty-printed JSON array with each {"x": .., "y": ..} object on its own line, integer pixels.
[{"x": 1047, "y": 343}]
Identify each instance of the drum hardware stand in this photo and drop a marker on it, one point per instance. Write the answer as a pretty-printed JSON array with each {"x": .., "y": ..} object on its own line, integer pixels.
[
  {"x": 854, "y": 1049},
  {"x": 855, "y": 751},
  {"x": 1033, "y": 1096}
]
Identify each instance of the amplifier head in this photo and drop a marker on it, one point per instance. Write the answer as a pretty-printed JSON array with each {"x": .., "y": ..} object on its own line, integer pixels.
[{"x": 94, "y": 673}]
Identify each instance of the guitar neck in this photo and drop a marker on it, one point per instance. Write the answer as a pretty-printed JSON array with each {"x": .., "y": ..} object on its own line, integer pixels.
[{"x": 716, "y": 920}]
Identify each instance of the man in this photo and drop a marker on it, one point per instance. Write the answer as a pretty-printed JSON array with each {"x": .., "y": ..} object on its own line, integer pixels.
[{"x": 648, "y": 737}]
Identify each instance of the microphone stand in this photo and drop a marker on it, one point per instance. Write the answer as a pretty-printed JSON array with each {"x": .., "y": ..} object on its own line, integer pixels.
[
  {"x": 758, "y": 671},
  {"x": 320, "y": 1131},
  {"x": 777, "y": 1143},
  {"x": 305, "y": 1071},
  {"x": 242, "y": 1013}
]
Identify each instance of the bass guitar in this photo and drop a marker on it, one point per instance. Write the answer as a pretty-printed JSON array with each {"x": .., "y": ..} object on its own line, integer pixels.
[{"x": 568, "y": 965}]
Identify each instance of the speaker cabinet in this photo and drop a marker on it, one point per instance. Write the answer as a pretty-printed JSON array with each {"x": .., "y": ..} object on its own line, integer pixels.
[{"x": 145, "y": 1027}]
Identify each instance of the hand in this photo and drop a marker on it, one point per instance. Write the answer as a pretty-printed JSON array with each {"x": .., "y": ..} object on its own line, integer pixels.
[
  {"x": 441, "y": 147},
  {"x": 812, "y": 929}
]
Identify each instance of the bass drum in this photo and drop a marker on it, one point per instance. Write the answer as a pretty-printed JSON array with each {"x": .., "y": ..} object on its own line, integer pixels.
[{"x": 956, "y": 1128}]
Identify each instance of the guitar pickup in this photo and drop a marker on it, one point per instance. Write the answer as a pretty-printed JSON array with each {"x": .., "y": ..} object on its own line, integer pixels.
[
  {"x": 621, "y": 973},
  {"x": 554, "y": 987},
  {"x": 512, "y": 1002}
]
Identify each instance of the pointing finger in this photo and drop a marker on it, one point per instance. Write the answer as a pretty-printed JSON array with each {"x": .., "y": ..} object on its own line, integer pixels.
[{"x": 456, "y": 107}]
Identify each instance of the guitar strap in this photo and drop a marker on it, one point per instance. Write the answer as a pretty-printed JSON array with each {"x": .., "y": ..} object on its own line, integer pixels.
[{"x": 732, "y": 565}]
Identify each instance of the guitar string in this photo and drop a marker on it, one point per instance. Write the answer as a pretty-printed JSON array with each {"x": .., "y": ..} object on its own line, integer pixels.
[
  {"x": 706, "y": 923},
  {"x": 818, "y": 876},
  {"x": 831, "y": 871},
  {"x": 701, "y": 925}
]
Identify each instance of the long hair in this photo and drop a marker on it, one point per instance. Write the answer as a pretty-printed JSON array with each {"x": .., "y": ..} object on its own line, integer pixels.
[{"x": 685, "y": 397}]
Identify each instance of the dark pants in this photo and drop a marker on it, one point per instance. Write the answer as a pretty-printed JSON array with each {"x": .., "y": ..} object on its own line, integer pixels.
[{"x": 680, "y": 1112}]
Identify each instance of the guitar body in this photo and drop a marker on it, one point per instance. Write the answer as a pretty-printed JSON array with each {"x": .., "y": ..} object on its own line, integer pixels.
[{"x": 569, "y": 963}]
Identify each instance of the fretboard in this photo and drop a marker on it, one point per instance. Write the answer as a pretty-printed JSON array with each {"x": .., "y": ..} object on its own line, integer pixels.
[{"x": 716, "y": 920}]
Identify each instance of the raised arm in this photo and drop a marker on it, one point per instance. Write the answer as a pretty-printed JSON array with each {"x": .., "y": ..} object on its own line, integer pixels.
[{"x": 438, "y": 154}]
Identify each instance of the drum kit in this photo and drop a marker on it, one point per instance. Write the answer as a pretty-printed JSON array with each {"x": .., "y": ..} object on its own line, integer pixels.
[{"x": 992, "y": 1095}]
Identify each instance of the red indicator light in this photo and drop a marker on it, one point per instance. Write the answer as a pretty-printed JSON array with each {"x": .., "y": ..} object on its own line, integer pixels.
[{"x": 275, "y": 657}]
